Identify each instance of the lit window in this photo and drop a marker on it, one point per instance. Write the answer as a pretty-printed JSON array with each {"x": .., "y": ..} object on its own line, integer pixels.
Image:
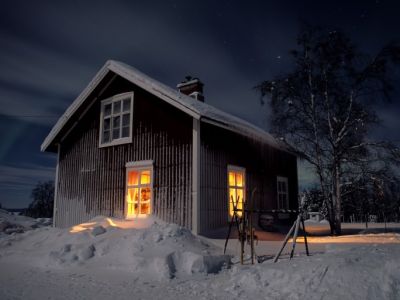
[
  {"x": 282, "y": 192},
  {"x": 138, "y": 191},
  {"x": 236, "y": 188},
  {"x": 116, "y": 120}
]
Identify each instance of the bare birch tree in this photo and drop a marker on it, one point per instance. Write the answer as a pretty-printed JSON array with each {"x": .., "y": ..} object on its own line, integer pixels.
[{"x": 323, "y": 109}]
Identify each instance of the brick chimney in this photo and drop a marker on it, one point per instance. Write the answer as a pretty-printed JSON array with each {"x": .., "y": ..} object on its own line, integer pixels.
[{"x": 192, "y": 87}]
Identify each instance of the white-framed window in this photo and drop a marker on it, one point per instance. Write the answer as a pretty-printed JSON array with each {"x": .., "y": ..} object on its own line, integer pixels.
[
  {"x": 282, "y": 192},
  {"x": 139, "y": 189},
  {"x": 236, "y": 188},
  {"x": 116, "y": 120}
]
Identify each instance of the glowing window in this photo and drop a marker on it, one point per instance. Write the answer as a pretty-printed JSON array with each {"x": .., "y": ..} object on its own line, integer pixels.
[
  {"x": 116, "y": 120},
  {"x": 282, "y": 193},
  {"x": 138, "y": 191},
  {"x": 236, "y": 189}
]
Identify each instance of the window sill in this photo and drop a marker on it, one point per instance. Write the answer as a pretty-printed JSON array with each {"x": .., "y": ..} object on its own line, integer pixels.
[{"x": 121, "y": 141}]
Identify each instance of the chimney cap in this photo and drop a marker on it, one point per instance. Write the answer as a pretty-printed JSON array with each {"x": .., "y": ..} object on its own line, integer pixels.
[{"x": 189, "y": 80}]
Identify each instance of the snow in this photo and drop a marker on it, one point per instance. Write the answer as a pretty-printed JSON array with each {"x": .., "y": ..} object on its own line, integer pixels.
[
  {"x": 147, "y": 258},
  {"x": 11, "y": 223},
  {"x": 193, "y": 107},
  {"x": 146, "y": 247}
]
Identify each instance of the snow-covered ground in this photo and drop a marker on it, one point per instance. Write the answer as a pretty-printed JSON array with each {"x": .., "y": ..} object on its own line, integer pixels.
[
  {"x": 10, "y": 223},
  {"x": 107, "y": 258}
]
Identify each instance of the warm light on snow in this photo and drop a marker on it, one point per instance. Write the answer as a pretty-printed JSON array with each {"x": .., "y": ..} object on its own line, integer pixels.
[
  {"x": 139, "y": 221},
  {"x": 384, "y": 238},
  {"x": 111, "y": 222},
  {"x": 82, "y": 227}
]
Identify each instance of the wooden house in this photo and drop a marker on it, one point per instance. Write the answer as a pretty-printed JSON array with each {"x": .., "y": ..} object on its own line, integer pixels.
[{"x": 130, "y": 146}]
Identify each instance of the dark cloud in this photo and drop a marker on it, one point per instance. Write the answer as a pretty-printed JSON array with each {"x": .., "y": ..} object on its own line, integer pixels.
[{"x": 51, "y": 49}]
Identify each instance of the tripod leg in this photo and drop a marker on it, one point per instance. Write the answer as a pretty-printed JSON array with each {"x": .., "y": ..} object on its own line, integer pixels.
[
  {"x": 295, "y": 236},
  {"x": 229, "y": 233},
  {"x": 305, "y": 236},
  {"x": 233, "y": 219},
  {"x": 284, "y": 242},
  {"x": 242, "y": 234}
]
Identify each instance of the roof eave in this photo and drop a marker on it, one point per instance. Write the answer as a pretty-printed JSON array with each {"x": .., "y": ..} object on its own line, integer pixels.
[
  {"x": 116, "y": 68},
  {"x": 74, "y": 106}
]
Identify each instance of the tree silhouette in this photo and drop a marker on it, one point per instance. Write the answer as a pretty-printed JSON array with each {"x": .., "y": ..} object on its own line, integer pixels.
[{"x": 43, "y": 200}]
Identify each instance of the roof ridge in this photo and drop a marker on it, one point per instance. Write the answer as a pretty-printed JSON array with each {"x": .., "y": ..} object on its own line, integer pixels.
[{"x": 181, "y": 101}]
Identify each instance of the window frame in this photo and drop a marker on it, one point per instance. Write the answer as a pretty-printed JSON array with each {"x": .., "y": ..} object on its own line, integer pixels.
[
  {"x": 138, "y": 166},
  {"x": 243, "y": 171},
  {"x": 286, "y": 181},
  {"x": 111, "y": 100}
]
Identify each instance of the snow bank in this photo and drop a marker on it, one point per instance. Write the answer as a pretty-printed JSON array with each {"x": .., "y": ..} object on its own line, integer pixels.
[
  {"x": 10, "y": 223},
  {"x": 147, "y": 247},
  {"x": 343, "y": 272},
  {"x": 107, "y": 258}
]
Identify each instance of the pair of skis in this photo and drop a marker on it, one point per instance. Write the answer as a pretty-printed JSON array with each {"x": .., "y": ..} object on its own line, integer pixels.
[{"x": 244, "y": 225}]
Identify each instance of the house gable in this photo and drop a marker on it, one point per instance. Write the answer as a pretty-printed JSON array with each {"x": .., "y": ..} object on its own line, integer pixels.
[
  {"x": 188, "y": 105},
  {"x": 92, "y": 179}
]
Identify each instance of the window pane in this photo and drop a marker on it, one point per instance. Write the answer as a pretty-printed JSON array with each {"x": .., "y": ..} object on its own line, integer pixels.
[
  {"x": 107, "y": 123},
  {"x": 145, "y": 177},
  {"x": 116, "y": 122},
  {"x": 125, "y": 119},
  {"x": 125, "y": 131},
  {"x": 239, "y": 199},
  {"x": 232, "y": 200},
  {"x": 145, "y": 194},
  {"x": 106, "y": 136},
  {"x": 231, "y": 179},
  {"x": 126, "y": 106},
  {"x": 145, "y": 197},
  {"x": 115, "y": 134},
  {"x": 239, "y": 179},
  {"x": 239, "y": 195},
  {"x": 107, "y": 109},
  {"x": 235, "y": 199},
  {"x": 133, "y": 178},
  {"x": 133, "y": 202},
  {"x": 117, "y": 107}
]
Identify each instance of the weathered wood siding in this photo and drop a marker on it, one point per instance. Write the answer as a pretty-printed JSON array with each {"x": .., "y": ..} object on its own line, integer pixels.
[
  {"x": 263, "y": 163},
  {"x": 91, "y": 180}
]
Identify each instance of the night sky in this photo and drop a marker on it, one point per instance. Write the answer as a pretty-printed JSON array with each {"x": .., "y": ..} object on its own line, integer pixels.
[{"x": 49, "y": 51}]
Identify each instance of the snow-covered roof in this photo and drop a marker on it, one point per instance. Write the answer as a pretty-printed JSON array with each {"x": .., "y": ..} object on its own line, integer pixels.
[{"x": 193, "y": 107}]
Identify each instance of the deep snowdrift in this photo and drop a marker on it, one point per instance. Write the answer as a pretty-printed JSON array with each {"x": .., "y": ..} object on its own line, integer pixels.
[{"x": 148, "y": 247}]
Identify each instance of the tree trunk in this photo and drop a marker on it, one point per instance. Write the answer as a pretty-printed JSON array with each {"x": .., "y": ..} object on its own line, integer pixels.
[{"x": 335, "y": 219}]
